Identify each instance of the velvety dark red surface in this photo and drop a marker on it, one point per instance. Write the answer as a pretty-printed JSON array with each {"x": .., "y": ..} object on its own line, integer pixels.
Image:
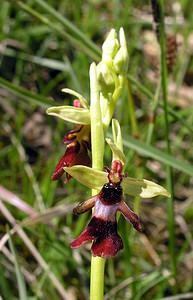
[{"x": 106, "y": 243}]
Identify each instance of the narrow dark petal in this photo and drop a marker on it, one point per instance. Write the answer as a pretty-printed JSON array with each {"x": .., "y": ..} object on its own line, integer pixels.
[
  {"x": 107, "y": 247},
  {"x": 130, "y": 216},
  {"x": 83, "y": 238},
  {"x": 69, "y": 139},
  {"x": 84, "y": 206},
  {"x": 68, "y": 177},
  {"x": 72, "y": 135}
]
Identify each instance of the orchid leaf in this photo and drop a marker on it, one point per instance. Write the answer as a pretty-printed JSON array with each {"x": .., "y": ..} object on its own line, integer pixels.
[
  {"x": 92, "y": 178},
  {"x": 83, "y": 101},
  {"x": 71, "y": 114},
  {"x": 143, "y": 188},
  {"x": 117, "y": 153}
]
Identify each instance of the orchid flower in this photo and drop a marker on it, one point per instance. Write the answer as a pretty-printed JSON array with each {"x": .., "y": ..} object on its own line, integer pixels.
[
  {"x": 78, "y": 145},
  {"x": 102, "y": 229}
]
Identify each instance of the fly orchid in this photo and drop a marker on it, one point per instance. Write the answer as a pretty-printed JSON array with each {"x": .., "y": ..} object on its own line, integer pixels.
[
  {"x": 107, "y": 81},
  {"x": 102, "y": 229}
]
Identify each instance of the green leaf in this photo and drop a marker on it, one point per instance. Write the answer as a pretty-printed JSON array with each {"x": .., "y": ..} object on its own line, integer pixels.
[
  {"x": 143, "y": 188},
  {"x": 71, "y": 114},
  {"x": 92, "y": 178},
  {"x": 159, "y": 155},
  {"x": 117, "y": 153},
  {"x": 83, "y": 101}
]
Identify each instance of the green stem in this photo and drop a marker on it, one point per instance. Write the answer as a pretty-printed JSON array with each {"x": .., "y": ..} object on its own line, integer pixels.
[
  {"x": 97, "y": 141},
  {"x": 153, "y": 112},
  {"x": 134, "y": 125},
  {"x": 171, "y": 218}
]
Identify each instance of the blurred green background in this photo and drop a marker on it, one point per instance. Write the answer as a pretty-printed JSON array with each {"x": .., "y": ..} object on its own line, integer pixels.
[{"x": 44, "y": 47}]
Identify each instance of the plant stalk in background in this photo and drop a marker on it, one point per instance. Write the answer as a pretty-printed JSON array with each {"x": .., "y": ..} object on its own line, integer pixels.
[{"x": 164, "y": 80}]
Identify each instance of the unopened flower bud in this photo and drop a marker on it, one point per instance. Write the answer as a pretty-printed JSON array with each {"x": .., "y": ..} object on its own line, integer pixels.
[
  {"x": 120, "y": 60},
  {"x": 106, "y": 78},
  {"x": 110, "y": 46}
]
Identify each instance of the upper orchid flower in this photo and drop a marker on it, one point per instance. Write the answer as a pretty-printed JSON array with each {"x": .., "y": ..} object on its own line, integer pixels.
[
  {"x": 103, "y": 226},
  {"x": 78, "y": 144}
]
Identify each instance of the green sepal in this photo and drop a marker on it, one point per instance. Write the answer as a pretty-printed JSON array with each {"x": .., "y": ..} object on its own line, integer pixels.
[
  {"x": 117, "y": 137},
  {"x": 83, "y": 101},
  {"x": 71, "y": 114},
  {"x": 95, "y": 179},
  {"x": 117, "y": 153},
  {"x": 89, "y": 177},
  {"x": 143, "y": 188}
]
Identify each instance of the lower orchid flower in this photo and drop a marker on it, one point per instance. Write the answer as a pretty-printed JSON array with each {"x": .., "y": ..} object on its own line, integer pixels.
[{"x": 102, "y": 229}]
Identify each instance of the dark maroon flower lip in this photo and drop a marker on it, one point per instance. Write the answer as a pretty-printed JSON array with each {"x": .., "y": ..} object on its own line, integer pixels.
[
  {"x": 102, "y": 229},
  {"x": 106, "y": 243}
]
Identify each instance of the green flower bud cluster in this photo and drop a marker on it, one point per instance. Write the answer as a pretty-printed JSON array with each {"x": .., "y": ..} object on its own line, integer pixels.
[{"x": 111, "y": 72}]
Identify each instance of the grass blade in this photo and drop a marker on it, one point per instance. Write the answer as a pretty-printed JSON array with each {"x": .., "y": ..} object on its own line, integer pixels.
[
  {"x": 176, "y": 115},
  {"x": 159, "y": 155},
  {"x": 63, "y": 26},
  {"x": 170, "y": 182},
  {"x": 19, "y": 275},
  {"x": 24, "y": 94},
  {"x": 68, "y": 26}
]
